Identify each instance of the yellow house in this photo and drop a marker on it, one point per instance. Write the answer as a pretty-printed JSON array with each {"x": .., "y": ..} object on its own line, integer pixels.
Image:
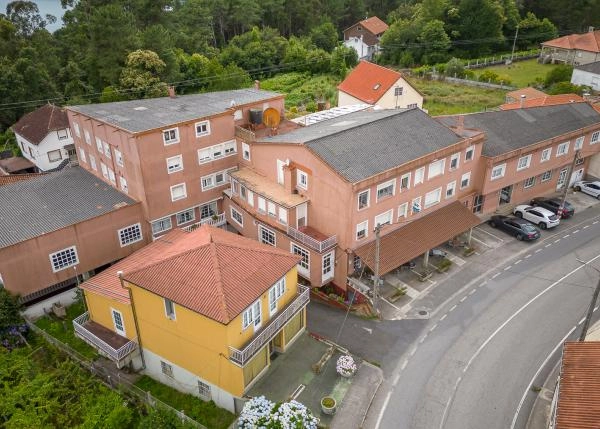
[{"x": 202, "y": 311}]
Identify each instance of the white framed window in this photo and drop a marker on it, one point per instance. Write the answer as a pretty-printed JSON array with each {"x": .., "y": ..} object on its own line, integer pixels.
[
  {"x": 217, "y": 179},
  {"x": 275, "y": 293},
  {"x": 178, "y": 192},
  {"x": 411, "y": 105},
  {"x": 436, "y": 168},
  {"x": 250, "y": 195},
  {"x": 185, "y": 216},
  {"x": 123, "y": 183},
  {"x": 104, "y": 170},
  {"x": 237, "y": 217},
  {"x": 419, "y": 175},
  {"x": 204, "y": 155},
  {"x": 118, "y": 323},
  {"x": 174, "y": 163},
  {"x": 207, "y": 182},
  {"x": 62, "y": 134},
  {"x": 404, "y": 181},
  {"x": 524, "y": 162},
  {"x": 243, "y": 192},
  {"x": 328, "y": 266},
  {"x": 398, "y": 91},
  {"x": 465, "y": 180},
  {"x": 266, "y": 236},
  {"x": 252, "y": 316},
  {"x": 130, "y": 234},
  {"x": 93, "y": 162},
  {"x": 562, "y": 149},
  {"x": 304, "y": 264},
  {"x": 454, "y": 161},
  {"x": 234, "y": 187},
  {"x": 161, "y": 225},
  {"x": 86, "y": 134},
  {"x": 54, "y": 155},
  {"x": 498, "y": 171},
  {"x": 99, "y": 145},
  {"x": 469, "y": 153},
  {"x": 170, "y": 136},
  {"x": 271, "y": 209},
  {"x": 384, "y": 218},
  {"x": 169, "y": 309},
  {"x": 166, "y": 369},
  {"x": 262, "y": 205},
  {"x": 82, "y": 155},
  {"x": 230, "y": 147},
  {"x": 529, "y": 182},
  {"x": 112, "y": 177},
  {"x": 106, "y": 150},
  {"x": 433, "y": 197},
  {"x": 208, "y": 210},
  {"x": 301, "y": 179},
  {"x": 578, "y": 143},
  {"x": 386, "y": 189},
  {"x": 217, "y": 151},
  {"x": 362, "y": 230},
  {"x": 204, "y": 390},
  {"x": 546, "y": 154},
  {"x": 76, "y": 128},
  {"x": 547, "y": 175},
  {"x": 595, "y": 137},
  {"x": 416, "y": 205},
  {"x": 202, "y": 128},
  {"x": 450, "y": 189},
  {"x": 246, "y": 151},
  {"x": 238, "y": 114},
  {"x": 402, "y": 210},
  {"x": 118, "y": 157},
  {"x": 363, "y": 199},
  {"x": 283, "y": 217},
  {"x": 64, "y": 258}
]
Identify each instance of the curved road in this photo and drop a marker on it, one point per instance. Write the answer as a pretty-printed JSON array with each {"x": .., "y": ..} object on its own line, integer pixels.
[{"x": 474, "y": 364}]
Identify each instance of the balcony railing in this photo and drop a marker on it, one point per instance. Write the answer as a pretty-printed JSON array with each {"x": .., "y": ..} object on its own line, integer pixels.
[
  {"x": 319, "y": 246},
  {"x": 245, "y": 134},
  {"x": 241, "y": 357},
  {"x": 218, "y": 220},
  {"x": 92, "y": 339}
]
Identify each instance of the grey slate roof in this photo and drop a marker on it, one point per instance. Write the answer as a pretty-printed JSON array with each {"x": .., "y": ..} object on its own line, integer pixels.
[
  {"x": 591, "y": 67},
  {"x": 147, "y": 114},
  {"x": 508, "y": 130},
  {"x": 362, "y": 144},
  {"x": 52, "y": 201}
]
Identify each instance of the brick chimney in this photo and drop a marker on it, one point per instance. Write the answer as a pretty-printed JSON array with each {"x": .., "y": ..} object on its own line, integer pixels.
[
  {"x": 172, "y": 92},
  {"x": 257, "y": 84}
]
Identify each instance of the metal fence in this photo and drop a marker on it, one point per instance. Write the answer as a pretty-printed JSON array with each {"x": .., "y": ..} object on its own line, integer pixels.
[{"x": 501, "y": 59}]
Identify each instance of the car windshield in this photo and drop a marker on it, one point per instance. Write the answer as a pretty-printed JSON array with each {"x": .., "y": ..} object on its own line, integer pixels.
[{"x": 528, "y": 228}]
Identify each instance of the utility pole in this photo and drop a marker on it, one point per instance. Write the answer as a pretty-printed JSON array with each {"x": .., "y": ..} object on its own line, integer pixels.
[
  {"x": 376, "y": 270},
  {"x": 514, "y": 44},
  {"x": 590, "y": 312},
  {"x": 566, "y": 187}
]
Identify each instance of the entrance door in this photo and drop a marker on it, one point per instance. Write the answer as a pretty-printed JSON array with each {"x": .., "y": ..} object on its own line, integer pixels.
[
  {"x": 576, "y": 176},
  {"x": 562, "y": 178},
  {"x": 505, "y": 194}
]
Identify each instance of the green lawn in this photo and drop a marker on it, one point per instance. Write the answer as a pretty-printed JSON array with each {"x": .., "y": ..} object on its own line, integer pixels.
[{"x": 521, "y": 73}]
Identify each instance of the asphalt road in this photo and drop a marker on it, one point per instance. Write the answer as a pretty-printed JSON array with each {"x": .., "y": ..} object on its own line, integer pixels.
[{"x": 473, "y": 363}]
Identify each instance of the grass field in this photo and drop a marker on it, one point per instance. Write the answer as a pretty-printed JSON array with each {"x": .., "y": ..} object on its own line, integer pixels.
[
  {"x": 302, "y": 89},
  {"x": 521, "y": 73}
]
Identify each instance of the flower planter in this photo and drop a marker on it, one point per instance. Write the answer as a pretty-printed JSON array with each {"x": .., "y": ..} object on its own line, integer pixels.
[
  {"x": 345, "y": 366},
  {"x": 328, "y": 405}
]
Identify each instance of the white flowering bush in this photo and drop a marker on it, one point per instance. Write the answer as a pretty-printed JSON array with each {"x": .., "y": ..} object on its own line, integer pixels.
[
  {"x": 260, "y": 413},
  {"x": 345, "y": 365}
]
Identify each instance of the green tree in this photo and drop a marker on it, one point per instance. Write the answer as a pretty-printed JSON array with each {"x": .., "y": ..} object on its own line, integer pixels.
[
  {"x": 401, "y": 38},
  {"x": 257, "y": 50},
  {"x": 480, "y": 25},
  {"x": 455, "y": 68},
  {"x": 26, "y": 17},
  {"x": 435, "y": 42},
  {"x": 193, "y": 31},
  {"x": 324, "y": 36},
  {"x": 533, "y": 31},
  {"x": 561, "y": 73},
  {"x": 141, "y": 75}
]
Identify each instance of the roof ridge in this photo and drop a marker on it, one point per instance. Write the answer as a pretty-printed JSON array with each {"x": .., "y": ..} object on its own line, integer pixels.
[
  {"x": 163, "y": 260},
  {"x": 218, "y": 280},
  {"x": 50, "y": 117}
]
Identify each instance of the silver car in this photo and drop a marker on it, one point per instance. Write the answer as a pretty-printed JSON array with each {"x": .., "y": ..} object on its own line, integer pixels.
[
  {"x": 590, "y": 188},
  {"x": 540, "y": 216}
]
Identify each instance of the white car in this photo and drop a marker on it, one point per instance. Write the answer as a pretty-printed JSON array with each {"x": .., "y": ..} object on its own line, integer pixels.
[
  {"x": 590, "y": 188},
  {"x": 540, "y": 216}
]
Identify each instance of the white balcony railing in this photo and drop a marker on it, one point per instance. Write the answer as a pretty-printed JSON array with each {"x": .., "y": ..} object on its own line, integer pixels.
[
  {"x": 241, "y": 357},
  {"x": 319, "y": 246},
  {"x": 218, "y": 220},
  {"x": 92, "y": 339}
]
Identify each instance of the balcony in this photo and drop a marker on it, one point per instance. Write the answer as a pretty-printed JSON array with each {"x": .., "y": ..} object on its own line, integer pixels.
[
  {"x": 312, "y": 238},
  {"x": 243, "y": 356},
  {"x": 110, "y": 343},
  {"x": 216, "y": 220}
]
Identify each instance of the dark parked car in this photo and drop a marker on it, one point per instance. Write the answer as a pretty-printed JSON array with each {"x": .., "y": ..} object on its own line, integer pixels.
[
  {"x": 553, "y": 204},
  {"x": 520, "y": 228}
]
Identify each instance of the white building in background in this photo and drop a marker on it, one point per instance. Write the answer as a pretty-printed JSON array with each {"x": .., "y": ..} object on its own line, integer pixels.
[{"x": 588, "y": 75}]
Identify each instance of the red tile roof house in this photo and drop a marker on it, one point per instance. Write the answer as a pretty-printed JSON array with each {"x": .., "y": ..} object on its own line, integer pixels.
[
  {"x": 546, "y": 100},
  {"x": 376, "y": 85},
  {"x": 364, "y": 36},
  {"x": 529, "y": 92},
  {"x": 574, "y": 49}
]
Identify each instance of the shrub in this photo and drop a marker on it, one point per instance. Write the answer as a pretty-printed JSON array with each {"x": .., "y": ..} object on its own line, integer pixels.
[
  {"x": 260, "y": 412},
  {"x": 488, "y": 76},
  {"x": 561, "y": 73},
  {"x": 455, "y": 68}
]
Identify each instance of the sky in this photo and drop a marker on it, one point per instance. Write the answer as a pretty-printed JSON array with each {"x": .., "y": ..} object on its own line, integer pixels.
[{"x": 51, "y": 7}]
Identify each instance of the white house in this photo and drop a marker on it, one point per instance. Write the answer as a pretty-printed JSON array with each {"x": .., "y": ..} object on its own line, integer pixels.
[
  {"x": 588, "y": 74},
  {"x": 45, "y": 138},
  {"x": 364, "y": 36}
]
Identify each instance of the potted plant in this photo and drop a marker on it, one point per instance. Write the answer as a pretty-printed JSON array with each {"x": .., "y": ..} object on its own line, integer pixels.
[
  {"x": 260, "y": 412},
  {"x": 328, "y": 405},
  {"x": 345, "y": 366}
]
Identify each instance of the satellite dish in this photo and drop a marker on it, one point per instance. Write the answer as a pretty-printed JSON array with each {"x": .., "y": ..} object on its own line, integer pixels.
[{"x": 271, "y": 117}]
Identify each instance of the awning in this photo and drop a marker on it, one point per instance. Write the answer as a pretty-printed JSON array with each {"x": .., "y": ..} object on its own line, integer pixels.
[{"x": 417, "y": 237}]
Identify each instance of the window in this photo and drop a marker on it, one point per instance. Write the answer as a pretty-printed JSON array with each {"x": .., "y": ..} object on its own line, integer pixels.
[
  {"x": 217, "y": 151},
  {"x": 524, "y": 162},
  {"x": 384, "y": 218},
  {"x": 386, "y": 189},
  {"x": 76, "y": 128},
  {"x": 402, "y": 210},
  {"x": 302, "y": 179},
  {"x": 411, "y": 105},
  {"x": 436, "y": 168},
  {"x": 99, "y": 145},
  {"x": 579, "y": 161},
  {"x": 362, "y": 230},
  {"x": 547, "y": 176},
  {"x": 171, "y": 136},
  {"x": 546, "y": 153},
  {"x": 363, "y": 199},
  {"x": 217, "y": 179},
  {"x": 118, "y": 157},
  {"x": 123, "y": 184},
  {"x": 64, "y": 258},
  {"x": 529, "y": 182},
  {"x": 238, "y": 115},
  {"x": 469, "y": 153},
  {"x": 104, "y": 170},
  {"x": 276, "y": 292},
  {"x": 166, "y": 369},
  {"x": 450, "y": 188},
  {"x": 578, "y": 143},
  {"x": 465, "y": 180},
  {"x": 118, "y": 321},
  {"x": 111, "y": 176},
  {"x": 178, "y": 192},
  {"x": 498, "y": 171},
  {"x": 398, "y": 91},
  {"x": 266, "y": 236},
  {"x": 252, "y": 316},
  {"x": 161, "y": 225},
  {"x": 419, "y": 175},
  {"x": 207, "y": 182},
  {"x": 327, "y": 267},
  {"x": 356, "y": 263},
  {"x": 595, "y": 137},
  {"x": 454, "y": 161},
  {"x": 62, "y": 134},
  {"x": 237, "y": 217},
  {"x": 82, "y": 155},
  {"x": 169, "y": 309},
  {"x": 202, "y": 128},
  {"x": 262, "y": 205},
  {"x": 54, "y": 155},
  {"x": 106, "y": 149},
  {"x": 304, "y": 264},
  {"x": 250, "y": 197},
  {"x": 208, "y": 210},
  {"x": 31, "y": 153},
  {"x": 130, "y": 234},
  {"x": 204, "y": 390},
  {"x": 562, "y": 149},
  {"x": 433, "y": 197},
  {"x": 86, "y": 134},
  {"x": 272, "y": 209},
  {"x": 93, "y": 162},
  {"x": 405, "y": 181},
  {"x": 185, "y": 216},
  {"x": 416, "y": 205},
  {"x": 282, "y": 215},
  {"x": 246, "y": 151},
  {"x": 174, "y": 163}
]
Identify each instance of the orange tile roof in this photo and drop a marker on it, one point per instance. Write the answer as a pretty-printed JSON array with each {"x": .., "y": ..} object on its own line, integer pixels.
[
  {"x": 368, "y": 82},
  {"x": 374, "y": 25},
  {"x": 210, "y": 271},
  {"x": 589, "y": 41},
  {"x": 578, "y": 405},
  {"x": 548, "y": 100},
  {"x": 12, "y": 178},
  {"x": 528, "y": 92}
]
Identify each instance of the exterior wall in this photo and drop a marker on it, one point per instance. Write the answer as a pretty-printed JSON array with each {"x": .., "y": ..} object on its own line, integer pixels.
[
  {"x": 100, "y": 309},
  {"x": 345, "y": 99},
  {"x": 410, "y": 96},
  {"x": 25, "y": 267},
  {"x": 569, "y": 56},
  {"x": 362, "y": 49},
  {"x": 593, "y": 169},
  {"x": 50, "y": 143},
  {"x": 582, "y": 77},
  {"x": 358, "y": 30}
]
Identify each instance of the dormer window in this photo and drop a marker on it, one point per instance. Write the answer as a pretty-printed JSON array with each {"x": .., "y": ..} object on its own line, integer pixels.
[{"x": 377, "y": 86}]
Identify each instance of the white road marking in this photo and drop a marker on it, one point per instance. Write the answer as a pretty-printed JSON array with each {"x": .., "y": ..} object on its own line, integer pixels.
[
  {"x": 422, "y": 339},
  {"x": 566, "y": 236},
  {"x": 537, "y": 251},
  {"x": 449, "y": 402},
  {"x": 595, "y": 222},
  {"x": 507, "y": 268},
  {"x": 527, "y": 256},
  {"x": 482, "y": 242},
  {"x": 489, "y": 233},
  {"x": 587, "y": 226},
  {"x": 518, "y": 262},
  {"x": 433, "y": 328},
  {"x": 472, "y": 291},
  {"x": 413, "y": 351},
  {"x": 443, "y": 317},
  {"x": 581, "y": 321},
  {"x": 548, "y": 245},
  {"x": 385, "y": 403},
  {"x": 452, "y": 308},
  {"x": 396, "y": 307},
  {"x": 495, "y": 275},
  {"x": 463, "y": 299},
  {"x": 576, "y": 231},
  {"x": 557, "y": 240},
  {"x": 396, "y": 379},
  {"x": 404, "y": 365}
]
